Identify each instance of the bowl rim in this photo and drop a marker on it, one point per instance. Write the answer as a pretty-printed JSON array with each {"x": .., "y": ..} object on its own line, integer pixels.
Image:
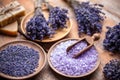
[
  {"x": 38, "y": 69},
  {"x": 45, "y": 41},
  {"x": 54, "y": 69}
]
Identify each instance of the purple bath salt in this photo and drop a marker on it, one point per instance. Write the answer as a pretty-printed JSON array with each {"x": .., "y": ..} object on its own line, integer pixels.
[
  {"x": 68, "y": 65},
  {"x": 78, "y": 47}
]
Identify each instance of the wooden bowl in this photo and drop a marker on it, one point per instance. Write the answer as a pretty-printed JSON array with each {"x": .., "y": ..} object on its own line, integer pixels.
[
  {"x": 42, "y": 60},
  {"x": 60, "y": 33},
  {"x": 54, "y": 69}
]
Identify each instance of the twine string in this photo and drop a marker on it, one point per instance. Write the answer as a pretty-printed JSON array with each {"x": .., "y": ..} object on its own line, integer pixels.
[{"x": 8, "y": 8}]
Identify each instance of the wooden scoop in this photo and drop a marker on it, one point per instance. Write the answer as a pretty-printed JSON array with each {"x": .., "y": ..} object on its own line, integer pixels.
[{"x": 90, "y": 43}]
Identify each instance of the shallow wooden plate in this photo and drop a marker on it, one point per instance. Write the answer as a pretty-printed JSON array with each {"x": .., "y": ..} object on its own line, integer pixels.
[
  {"x": 54, "y": 69},
  {"x": 60, "y": 33},
  {"x": 42, "y": 60}
]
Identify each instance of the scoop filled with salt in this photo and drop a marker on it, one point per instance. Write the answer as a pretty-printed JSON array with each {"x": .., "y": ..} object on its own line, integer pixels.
[{"x": 75, "y": 48}]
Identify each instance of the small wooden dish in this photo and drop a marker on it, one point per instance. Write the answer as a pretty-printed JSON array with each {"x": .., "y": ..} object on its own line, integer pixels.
[
  {"x": 60, "y": 33},
  {"x": 42, "y": 60},
  {"x": 54, "y": 69}
]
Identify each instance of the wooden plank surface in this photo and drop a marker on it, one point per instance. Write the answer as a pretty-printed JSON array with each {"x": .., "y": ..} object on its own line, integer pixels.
[{"x": 112, "y": 10}]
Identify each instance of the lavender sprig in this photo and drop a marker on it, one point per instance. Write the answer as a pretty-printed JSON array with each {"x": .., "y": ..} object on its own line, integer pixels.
[
  {"x": 57, "y": 17},
  {"x": 112, "y": 39},
  {"x": 112, "y": 70},
  {"x": 89, "y": 17},
  {"x": 37, "y": 27}
]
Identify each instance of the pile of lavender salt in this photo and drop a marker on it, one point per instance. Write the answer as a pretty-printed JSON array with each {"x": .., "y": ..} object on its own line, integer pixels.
[
  {"x": 18, "y": 60},
  {"x": 68, "y": 65}
]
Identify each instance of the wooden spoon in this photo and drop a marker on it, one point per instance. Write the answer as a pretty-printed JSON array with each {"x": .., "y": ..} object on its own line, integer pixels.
[{"x": 90, "y": 43}]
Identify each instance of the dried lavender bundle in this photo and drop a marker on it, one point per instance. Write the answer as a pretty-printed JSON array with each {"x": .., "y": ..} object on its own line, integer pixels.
[
  {"x": 37, "y": 27},
  {"x": 112, "y": 39},
  {"x": 89, "y": 16},
  {"x": 112, "y": 70},
  {"x": 58, "y": 18}
]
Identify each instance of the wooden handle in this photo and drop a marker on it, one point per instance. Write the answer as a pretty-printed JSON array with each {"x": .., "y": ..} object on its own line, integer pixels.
[{"x": 96, "y": 36}]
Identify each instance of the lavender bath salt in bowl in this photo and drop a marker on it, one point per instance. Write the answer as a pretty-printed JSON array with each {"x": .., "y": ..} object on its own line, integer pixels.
[{"x": 64, "y": 64}]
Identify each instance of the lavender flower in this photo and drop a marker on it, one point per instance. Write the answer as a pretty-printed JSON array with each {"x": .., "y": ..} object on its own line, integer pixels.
[{"x": 18, "y": 60}]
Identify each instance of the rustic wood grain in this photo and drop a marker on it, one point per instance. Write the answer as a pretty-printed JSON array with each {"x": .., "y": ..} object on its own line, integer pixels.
[{"x": 112, "y": 10}]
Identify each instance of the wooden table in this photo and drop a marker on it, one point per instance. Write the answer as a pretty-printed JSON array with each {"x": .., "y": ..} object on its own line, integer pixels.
[{"x": 112, "y": 10}]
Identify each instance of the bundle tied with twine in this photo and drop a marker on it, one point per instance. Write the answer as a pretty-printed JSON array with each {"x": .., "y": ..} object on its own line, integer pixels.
[{"x": 10, "y": 13}]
